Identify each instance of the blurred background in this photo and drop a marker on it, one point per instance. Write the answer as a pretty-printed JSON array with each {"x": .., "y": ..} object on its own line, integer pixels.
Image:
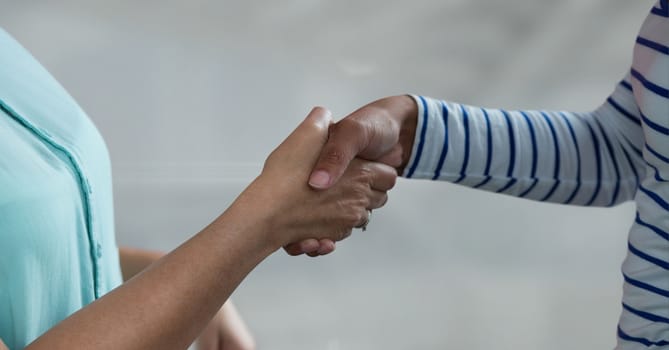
[{"x": 192, "y": 95}]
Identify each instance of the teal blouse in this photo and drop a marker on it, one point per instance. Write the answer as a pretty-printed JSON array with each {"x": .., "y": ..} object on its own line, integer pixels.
[{"x": 57, "y": 246}]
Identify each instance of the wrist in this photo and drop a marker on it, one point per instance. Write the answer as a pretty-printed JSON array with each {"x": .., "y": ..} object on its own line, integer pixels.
[
  {"x": 253, "y": 214},
  {"x": 406, "y": 110}
]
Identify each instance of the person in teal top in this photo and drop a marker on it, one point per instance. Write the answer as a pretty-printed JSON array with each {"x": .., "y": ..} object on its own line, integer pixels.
[
  {"x": 56, "y": 209},
  {"x": 56, "y": 212},
  {"x": 57, "y": 246}
]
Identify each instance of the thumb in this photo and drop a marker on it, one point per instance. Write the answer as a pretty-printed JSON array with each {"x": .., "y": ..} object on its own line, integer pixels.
[
  {"x": 346, "y": 140},
  {"x": 313, "y": 128},
  {"x": 303, "y": 145},
  {"x": 319, "y": 118}
]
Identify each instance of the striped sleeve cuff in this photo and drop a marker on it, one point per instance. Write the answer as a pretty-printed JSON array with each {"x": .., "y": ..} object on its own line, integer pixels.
[{"x": 430, "y": 142}]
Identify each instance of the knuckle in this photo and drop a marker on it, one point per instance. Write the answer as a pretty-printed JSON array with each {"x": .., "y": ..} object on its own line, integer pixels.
[
  {"x": 355, "y": 131},
  {"x": 360, "y": 129},
  {"x": 363, "y": 173},
  {"x": 352, "y": 218},
  {"x": 362, "y": 196},
  {"x": 367, "y": 172},
  {"x": 334, "y": 156},
  {"x": 352, "y": 125}
]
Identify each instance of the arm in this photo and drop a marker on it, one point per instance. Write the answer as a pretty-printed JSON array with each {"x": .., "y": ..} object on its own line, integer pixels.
[
  {"x": 591, "y": 159},
  {"x": 574, "y": 158},
  {"x": 169, "y": 304},
  {"x": 226, "y": 330}
]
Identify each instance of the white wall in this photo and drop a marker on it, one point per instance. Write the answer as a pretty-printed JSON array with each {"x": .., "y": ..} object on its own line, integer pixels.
[{"x": 191, "y": 96}]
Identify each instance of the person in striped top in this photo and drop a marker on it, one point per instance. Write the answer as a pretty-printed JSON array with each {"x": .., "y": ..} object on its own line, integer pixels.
[{"x": 616, "y": 153}]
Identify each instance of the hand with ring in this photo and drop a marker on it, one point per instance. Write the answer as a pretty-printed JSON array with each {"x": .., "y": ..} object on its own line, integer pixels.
[
  {"x": 313, "y": 218},
  {"x": 363, "y": 226},
  {"x": 382, "y": 131}
]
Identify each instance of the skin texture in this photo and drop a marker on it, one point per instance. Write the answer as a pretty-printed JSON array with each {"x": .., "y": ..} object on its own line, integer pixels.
[
  {"x": 226, "y": 331},
  {"x": 169, "y": 304},
  {"x": 381, "y": 131}
]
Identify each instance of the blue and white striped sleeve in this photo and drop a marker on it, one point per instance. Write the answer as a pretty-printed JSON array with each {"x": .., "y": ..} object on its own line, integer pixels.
[{"x": 592, "y": 159}]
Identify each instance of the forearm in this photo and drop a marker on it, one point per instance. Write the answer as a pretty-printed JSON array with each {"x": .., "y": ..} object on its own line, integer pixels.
[
  {"x": 572, "y": 158},
  {"x": 169, "y": 304}
]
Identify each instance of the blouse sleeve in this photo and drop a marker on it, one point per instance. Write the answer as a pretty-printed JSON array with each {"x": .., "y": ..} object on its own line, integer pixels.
[{"x": 591, "y": 159}]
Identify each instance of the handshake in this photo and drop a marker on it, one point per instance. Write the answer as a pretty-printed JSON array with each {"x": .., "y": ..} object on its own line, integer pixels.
[{"x": 326, "y": 178}]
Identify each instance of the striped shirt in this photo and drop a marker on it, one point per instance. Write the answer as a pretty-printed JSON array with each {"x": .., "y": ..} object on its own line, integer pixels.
[{"x": 616, "y": 153}]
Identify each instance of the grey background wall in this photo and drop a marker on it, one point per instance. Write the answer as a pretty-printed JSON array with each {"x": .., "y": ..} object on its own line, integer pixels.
[{"x": 192, "y": 95}]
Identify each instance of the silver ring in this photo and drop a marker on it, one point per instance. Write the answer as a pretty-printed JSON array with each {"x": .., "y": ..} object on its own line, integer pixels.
[{"x": 364, "y": 225}]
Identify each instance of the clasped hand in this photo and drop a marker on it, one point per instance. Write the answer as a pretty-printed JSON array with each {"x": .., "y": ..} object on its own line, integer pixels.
[{"x": 301, "y": 218}]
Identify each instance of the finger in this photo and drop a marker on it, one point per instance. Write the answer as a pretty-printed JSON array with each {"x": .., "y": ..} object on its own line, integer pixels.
[
  {"x": 345, "y": 140},
  {"x": 364, "y": 220},
  {"x": 327, "y": 246},
  {"x": 306, "y": 246},
  {"x": 309, "y": 245},
  {"x": 293, "y": 249},
  {"x": 381, "y": 177},
  {"x": 384, "y": 176},
  {"x": 377, "y": 199},
  {"x": 394, "y": 158}
]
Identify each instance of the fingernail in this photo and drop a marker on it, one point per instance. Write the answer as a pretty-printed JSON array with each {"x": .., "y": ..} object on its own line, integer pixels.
[{"x": 319, "y": 179}]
